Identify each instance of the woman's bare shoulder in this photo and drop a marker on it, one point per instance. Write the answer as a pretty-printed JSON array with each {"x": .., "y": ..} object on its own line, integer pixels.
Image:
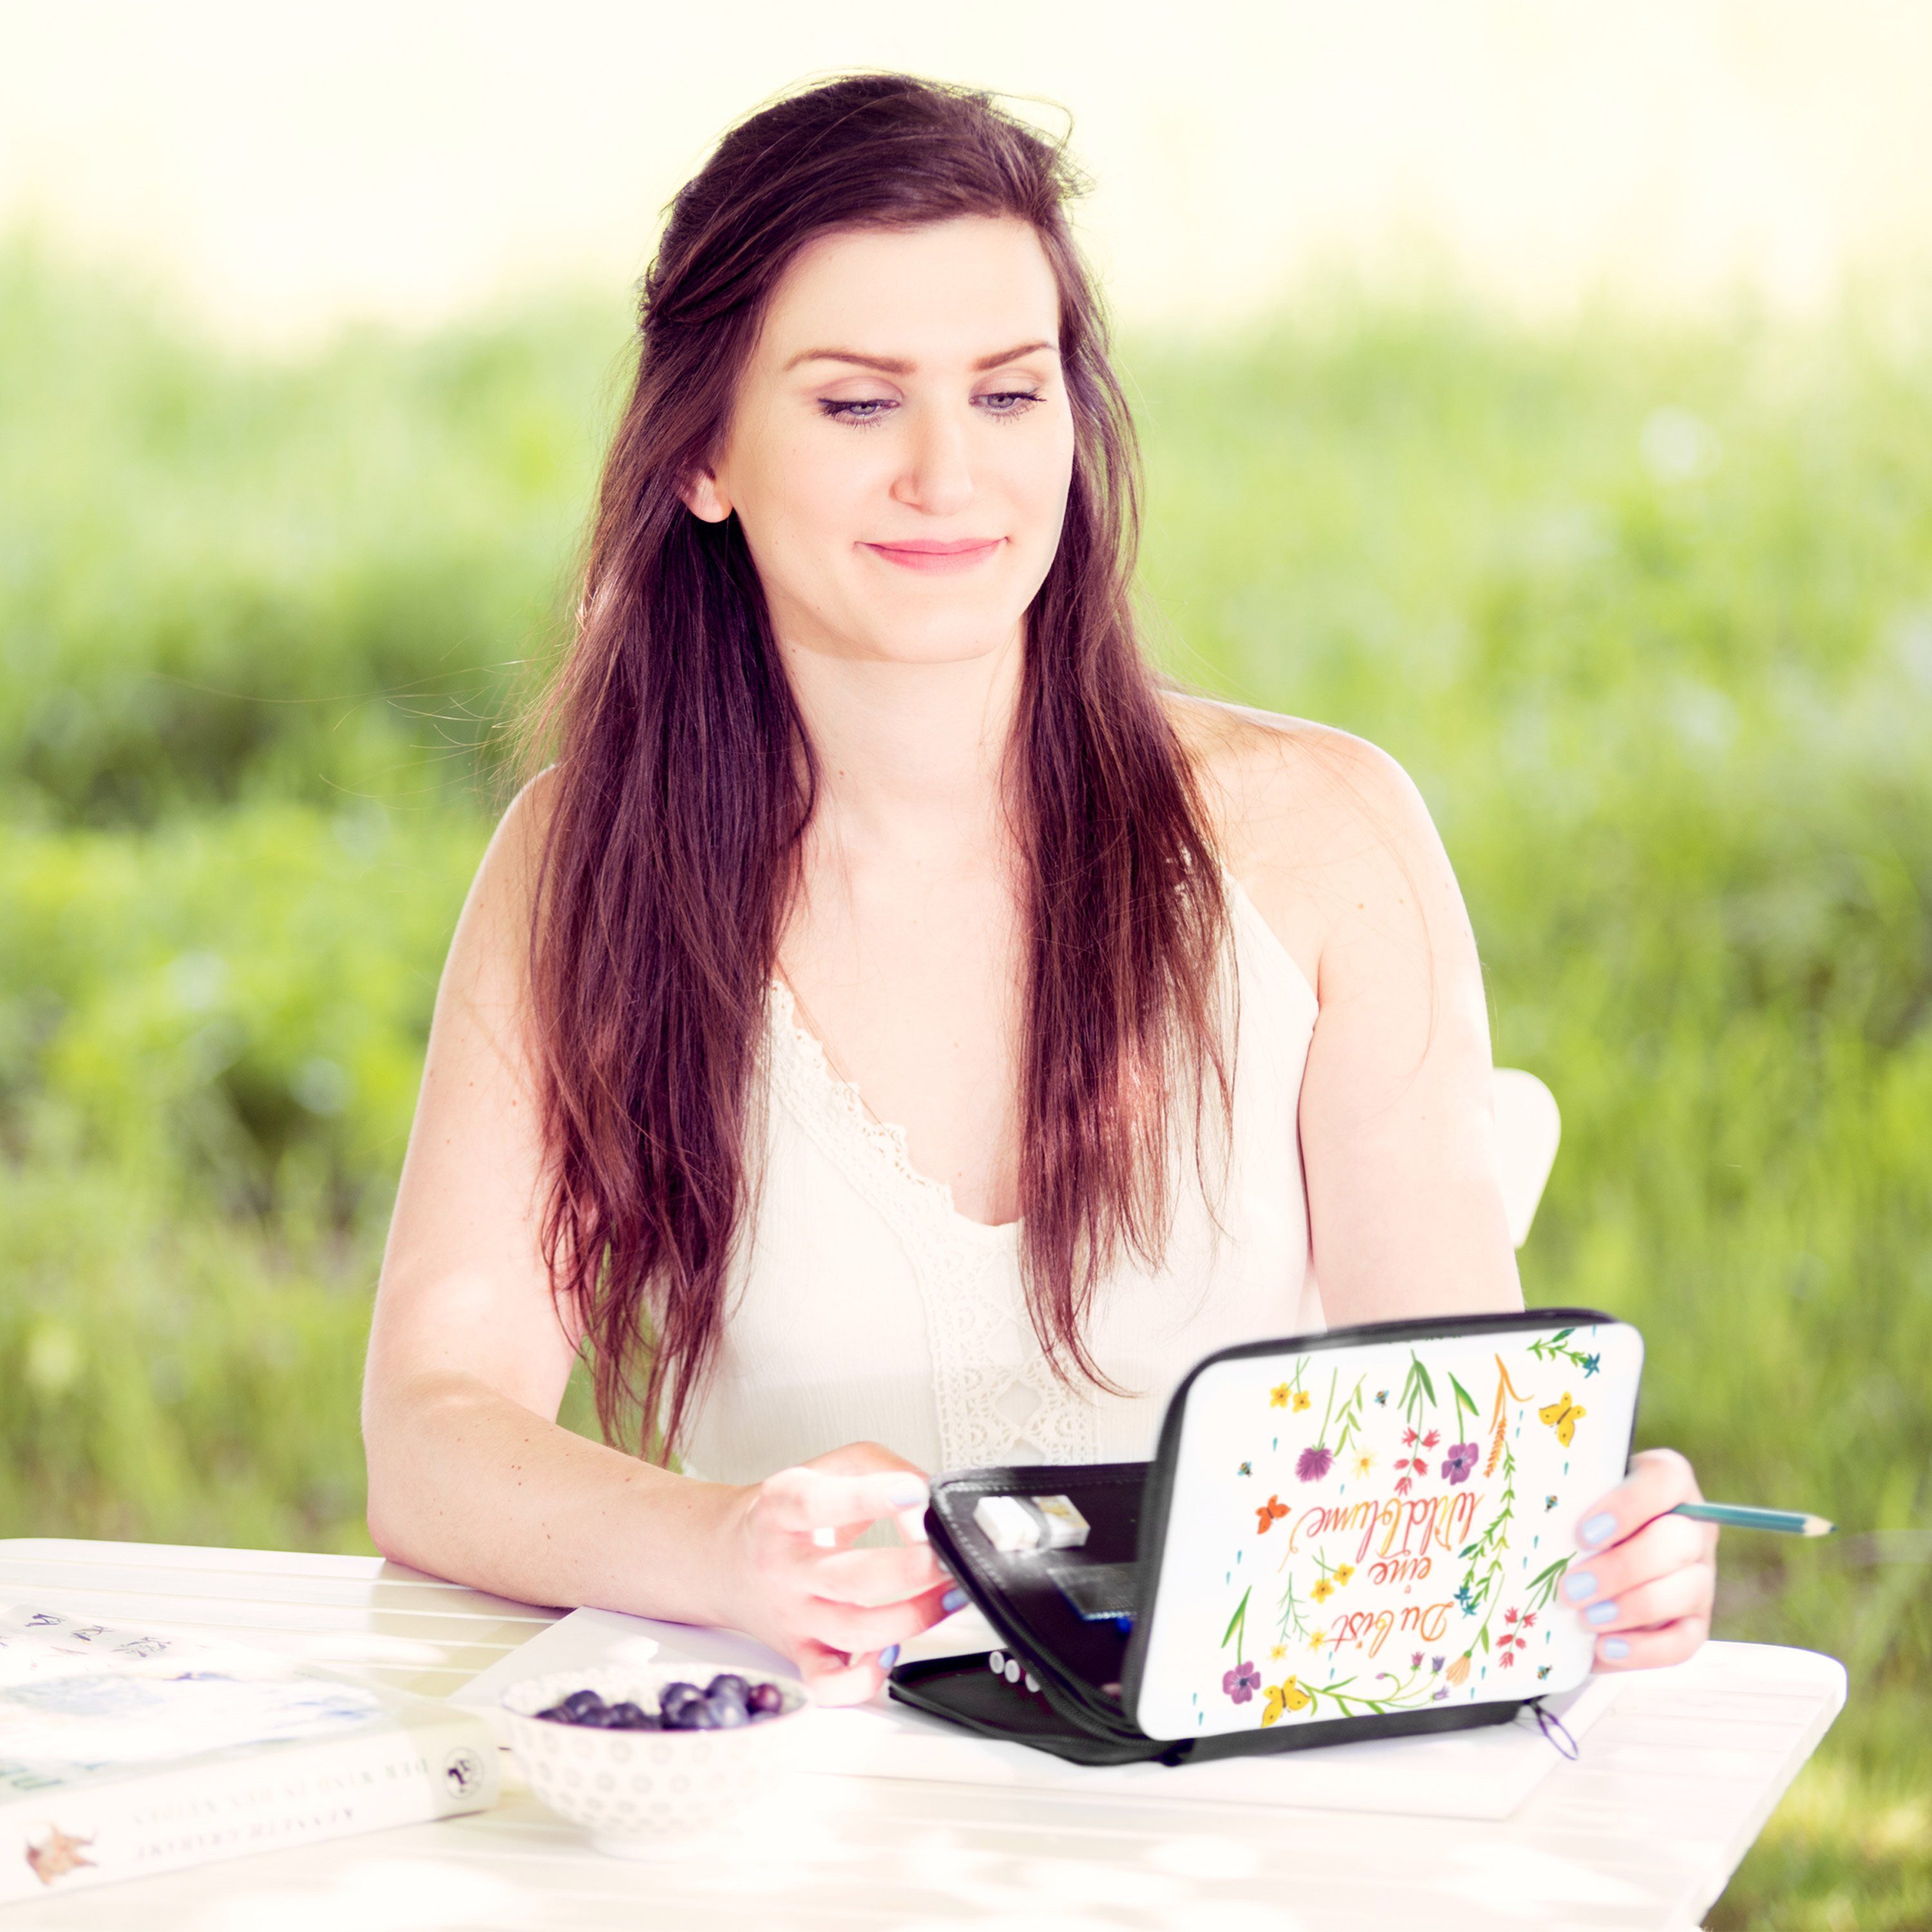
[
  {"x": 1326, "y": 833},
  {"x": 490, "y": 949},
  {"x": 1284, "y": 790},
  {"x": 511, "y": 865},
  {"x": 526, "y": 821}
]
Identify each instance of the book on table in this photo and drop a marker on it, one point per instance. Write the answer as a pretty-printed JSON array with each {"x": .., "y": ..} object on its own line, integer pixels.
[{"x": 125, "y": 1753}]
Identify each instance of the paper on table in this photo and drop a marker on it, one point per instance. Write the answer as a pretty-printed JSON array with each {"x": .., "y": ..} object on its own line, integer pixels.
[{"x": 1485, "y": 1773}]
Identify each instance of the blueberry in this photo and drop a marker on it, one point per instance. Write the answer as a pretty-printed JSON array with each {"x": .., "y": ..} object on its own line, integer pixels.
[
  {"x": 629, "y": 1717},
  {"x": 766, "y": 1700},
  {"x": 681, "y": 1707},
  {"x": 728, "y": 1713},
  {"x": 579, "y": 1704},
  {"x": 729, "y": 1684},
  {"x": 557, "y": 1713}
]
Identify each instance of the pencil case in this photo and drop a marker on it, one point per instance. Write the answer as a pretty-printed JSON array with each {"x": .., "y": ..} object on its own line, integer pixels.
[{"x": 1357, "y": 1534}]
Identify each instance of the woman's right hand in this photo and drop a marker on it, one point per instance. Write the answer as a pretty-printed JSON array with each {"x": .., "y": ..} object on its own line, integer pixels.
[{"x": 831, "y": 1609}]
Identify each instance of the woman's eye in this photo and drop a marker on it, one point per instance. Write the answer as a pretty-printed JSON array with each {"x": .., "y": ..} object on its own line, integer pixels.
[
  {"x": 864, "y": 409},
  {"x": 870, "y": 409}
]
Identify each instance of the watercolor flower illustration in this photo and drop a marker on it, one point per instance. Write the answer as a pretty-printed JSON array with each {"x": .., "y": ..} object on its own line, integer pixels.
[
  {"x": 1313, "y": 1464},
  {"x": 1276, "y": 1655},
  {"x": 1302, "y": 1399},
  {"x": 1322, "y": 1591},
  {"x": 1316, "y": 1638},
  {"x": 1513, "y": 1642},
  {"x": 1278, "y": 1395},
  {"x": 1415, "y": 1662},
  {"x": 1415, "y": 1464},
  {"x": 1288, "y": 1695},
  {"x": 1241, "y": 1683},
  {"x": 1559, "y": 1348},
  {"x": 1458, "y": 1673},
  {"x": 1460, "y": 1461},
  {"x": 1364, "y": 1463},
  {"x": 1435, "y": 1666},
  {"x": 1344, "y": 1573}
]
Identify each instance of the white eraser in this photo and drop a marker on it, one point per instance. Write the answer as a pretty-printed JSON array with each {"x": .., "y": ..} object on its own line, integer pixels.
[
  {"x": 1066, "y": 1527},
  {"x": 1007, "y": 1524}
]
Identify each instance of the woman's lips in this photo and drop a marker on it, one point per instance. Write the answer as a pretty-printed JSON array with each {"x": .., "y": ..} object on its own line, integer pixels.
[{"x": 939, "y": 558}]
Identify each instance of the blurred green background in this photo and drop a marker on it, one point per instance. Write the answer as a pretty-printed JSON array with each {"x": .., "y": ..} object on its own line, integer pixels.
[{"x": 1647, "y": 610}]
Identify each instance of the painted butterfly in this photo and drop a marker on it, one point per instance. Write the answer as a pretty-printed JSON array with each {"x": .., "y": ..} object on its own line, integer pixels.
[
  {"x": 1563, "y": 1416},
  {"x": 1269, "y": 1513}
]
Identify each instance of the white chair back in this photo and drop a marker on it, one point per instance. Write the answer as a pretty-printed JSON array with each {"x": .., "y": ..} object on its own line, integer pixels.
[{"x": 1528, "y": 1128}]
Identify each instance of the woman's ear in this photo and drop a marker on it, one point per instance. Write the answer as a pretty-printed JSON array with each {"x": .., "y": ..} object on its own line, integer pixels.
[{"x": 704, "y": 497}]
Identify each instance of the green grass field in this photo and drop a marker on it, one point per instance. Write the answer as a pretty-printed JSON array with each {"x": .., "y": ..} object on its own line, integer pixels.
[{"x": 1647, "y": 613}]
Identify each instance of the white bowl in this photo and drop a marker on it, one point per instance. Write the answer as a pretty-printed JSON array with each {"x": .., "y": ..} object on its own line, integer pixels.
[{"x": 646, "y": 1794}]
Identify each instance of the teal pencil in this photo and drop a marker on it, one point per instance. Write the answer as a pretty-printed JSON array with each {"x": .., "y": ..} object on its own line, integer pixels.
[{"x": 1743, "y": 1516}]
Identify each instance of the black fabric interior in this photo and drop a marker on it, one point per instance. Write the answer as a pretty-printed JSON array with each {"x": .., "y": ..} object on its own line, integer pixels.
[
  {"x": 1025, "y": 1600},
  {"x": 963, "y": 1691}
]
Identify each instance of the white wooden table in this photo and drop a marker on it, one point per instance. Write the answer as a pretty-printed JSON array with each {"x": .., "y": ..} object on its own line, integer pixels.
[{"x": 1644, "y": 1832}]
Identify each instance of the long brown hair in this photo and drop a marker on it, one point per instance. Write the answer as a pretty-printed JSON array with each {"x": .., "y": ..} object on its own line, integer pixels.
[{"x": 684, "y": 781}]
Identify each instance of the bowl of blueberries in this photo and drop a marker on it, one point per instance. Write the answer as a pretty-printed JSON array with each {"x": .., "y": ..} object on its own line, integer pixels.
[{"x": 653, "y": 1759}]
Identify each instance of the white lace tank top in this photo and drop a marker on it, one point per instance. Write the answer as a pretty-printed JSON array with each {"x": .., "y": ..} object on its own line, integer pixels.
[{"x": 866, "y": 1307}]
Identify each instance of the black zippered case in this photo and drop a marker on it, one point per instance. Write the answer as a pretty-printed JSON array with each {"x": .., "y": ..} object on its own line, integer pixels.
[{"x": 1098, "y": 1689}]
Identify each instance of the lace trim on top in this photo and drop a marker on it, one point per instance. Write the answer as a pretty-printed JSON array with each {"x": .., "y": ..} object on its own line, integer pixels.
[
  {"x": 886, "y": 1139},
  {"x": 997, "y": 1401}
]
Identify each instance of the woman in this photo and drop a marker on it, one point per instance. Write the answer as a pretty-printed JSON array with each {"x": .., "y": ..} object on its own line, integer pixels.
[{"x": 863, "y": 790}]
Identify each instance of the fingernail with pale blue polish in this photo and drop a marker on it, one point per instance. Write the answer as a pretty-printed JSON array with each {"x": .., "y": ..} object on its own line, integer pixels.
[
  {"x": 1598, "y": 1528},
  {"x": 1578, "y": 1584},
  {"x": 888, "y": 1656},
  {"x": 1615, "y": 1646},
  {"x": 1601, "y": 1613},
  {"x": 953, "y": 1600}
]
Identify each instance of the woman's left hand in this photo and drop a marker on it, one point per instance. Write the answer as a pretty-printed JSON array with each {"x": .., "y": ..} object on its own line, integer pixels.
[{"x": 1648, "y": 1577}]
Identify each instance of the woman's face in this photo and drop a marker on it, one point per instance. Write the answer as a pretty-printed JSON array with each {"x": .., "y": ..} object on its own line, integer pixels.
[{"x": 902, "y": 442}]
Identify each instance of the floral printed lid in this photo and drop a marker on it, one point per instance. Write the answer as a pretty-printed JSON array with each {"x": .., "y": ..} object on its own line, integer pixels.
[{"x": 1355, "y": 1528}]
